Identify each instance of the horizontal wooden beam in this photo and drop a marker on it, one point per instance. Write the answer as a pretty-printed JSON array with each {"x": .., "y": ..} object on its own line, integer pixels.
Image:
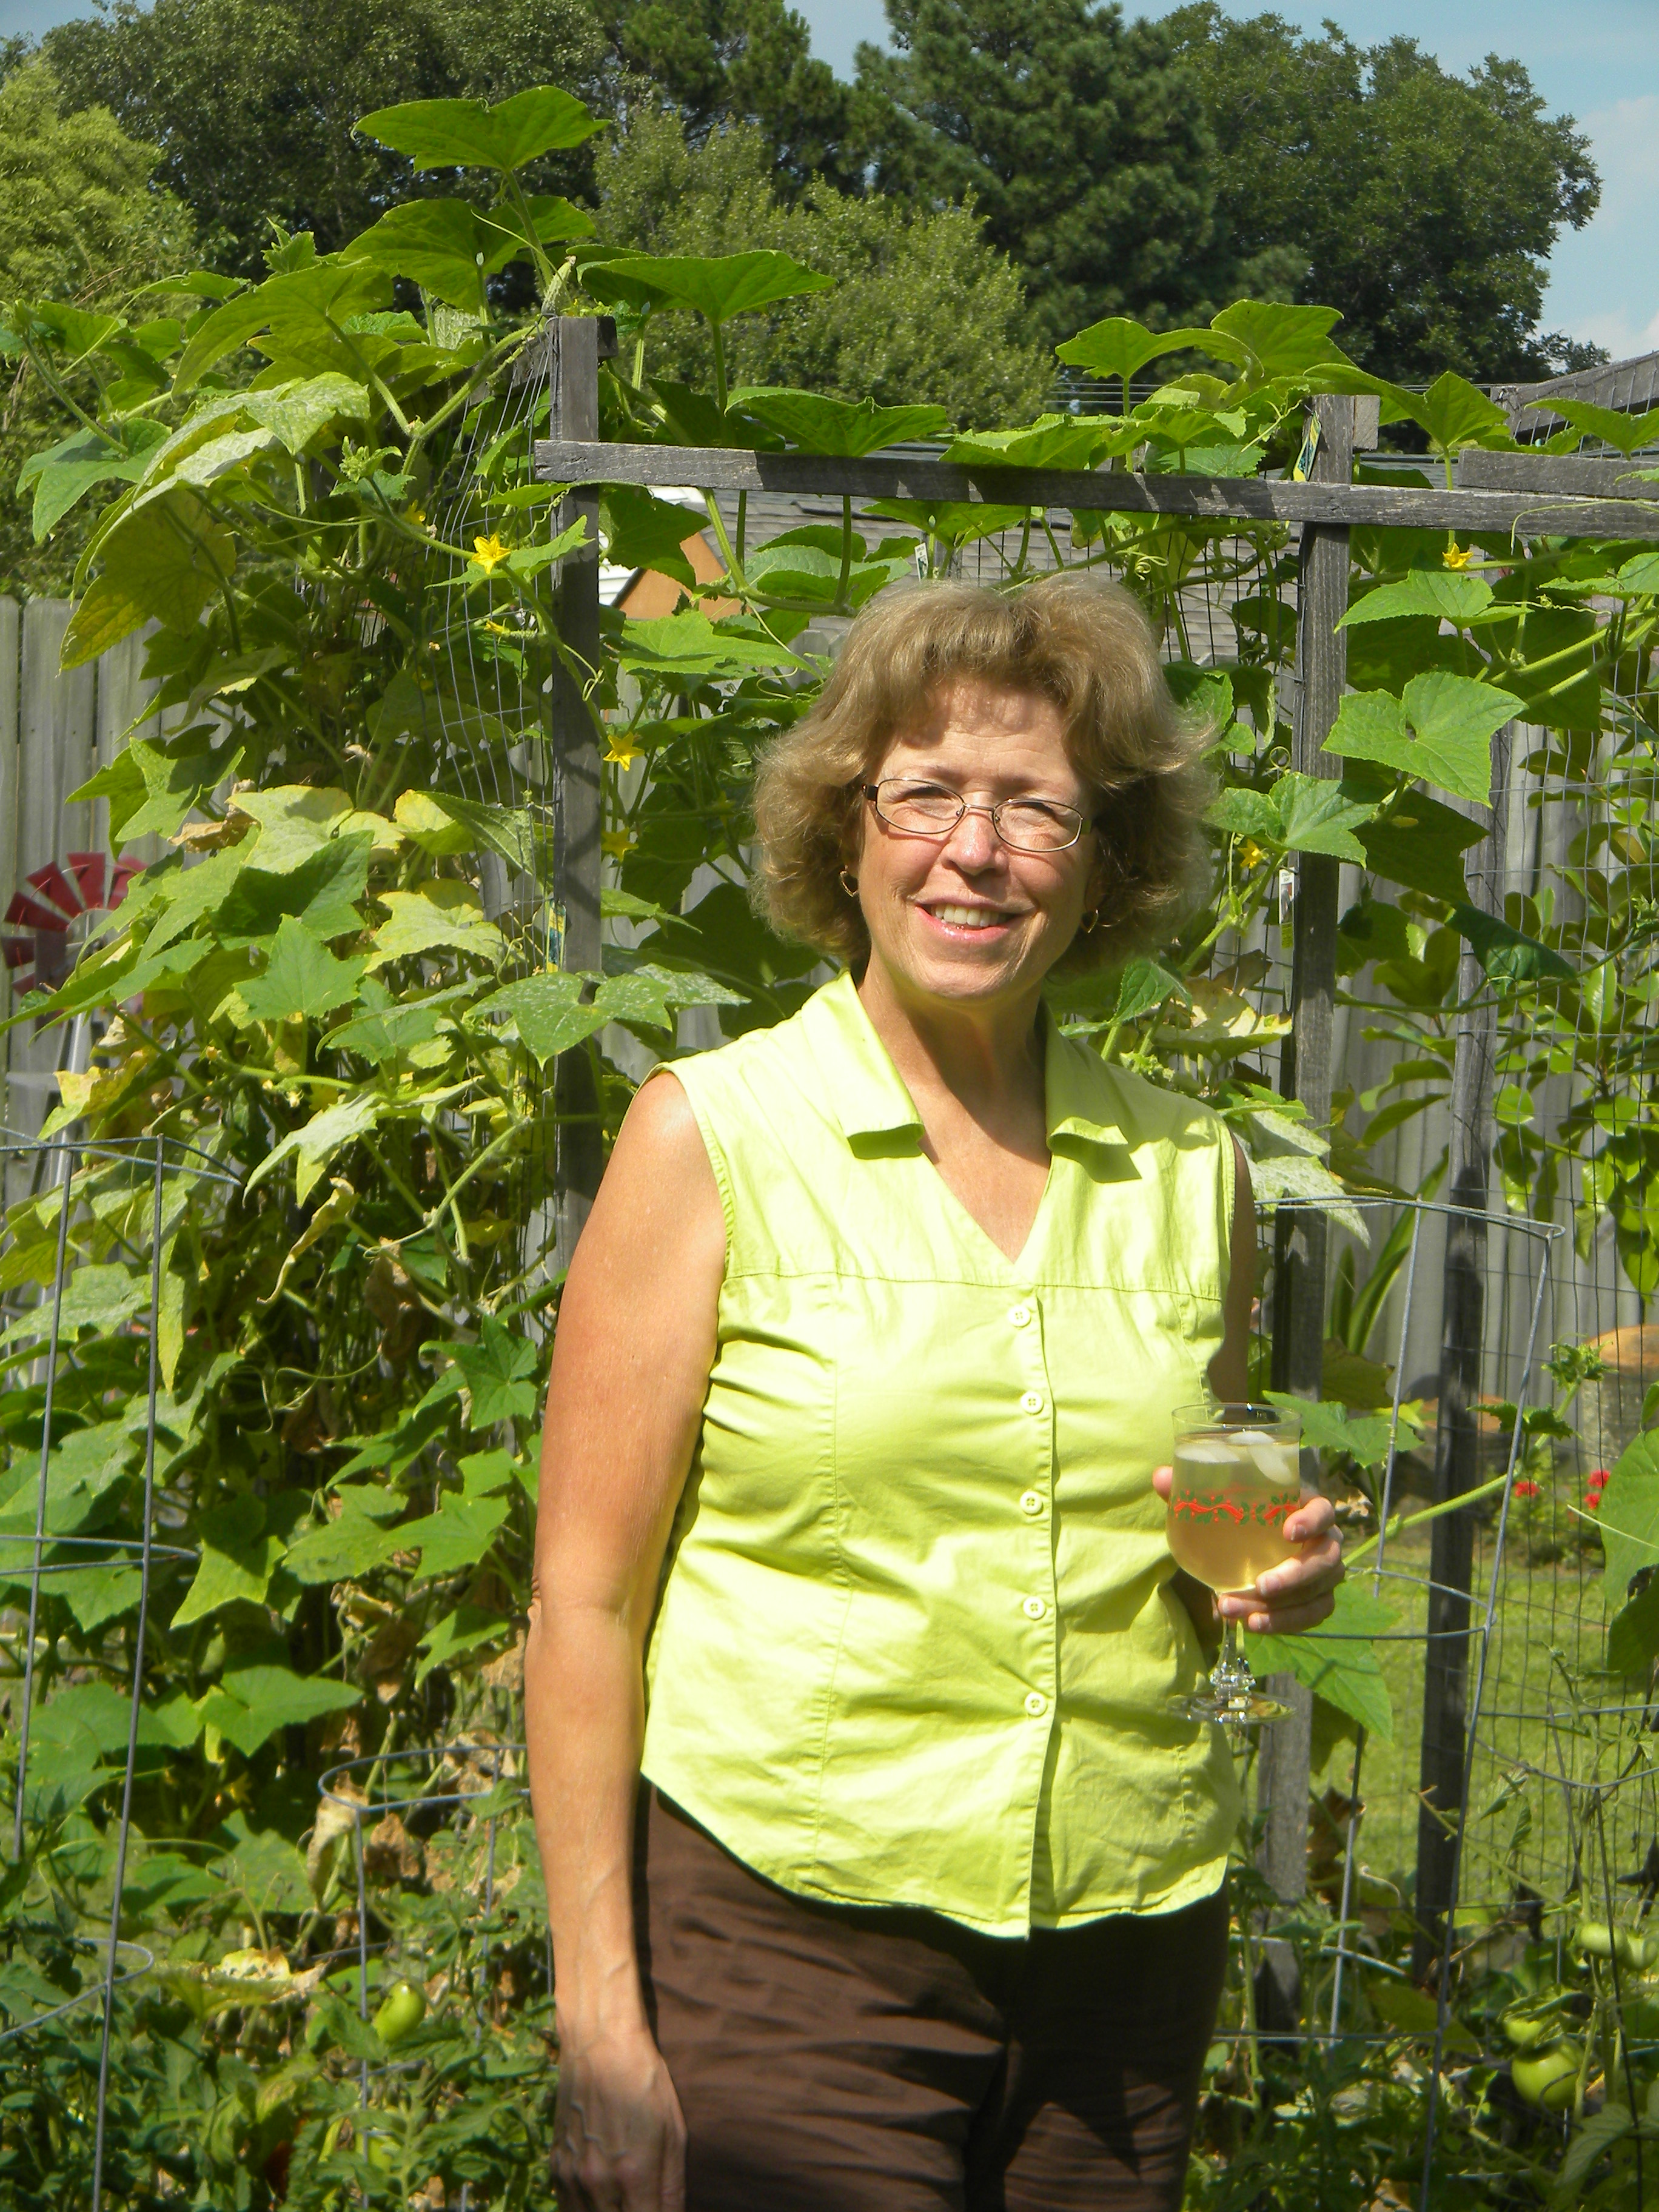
[
  {"x": 1612, "y": 478},
  {"x": 1205, "y": 499}
]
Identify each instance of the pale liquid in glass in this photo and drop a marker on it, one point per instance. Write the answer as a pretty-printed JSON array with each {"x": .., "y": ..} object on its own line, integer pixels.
[{"x": 1228, "y": 1505}]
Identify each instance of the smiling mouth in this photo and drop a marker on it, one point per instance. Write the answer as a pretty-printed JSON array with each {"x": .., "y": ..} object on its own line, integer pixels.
[{"x": 968, "y": 917}]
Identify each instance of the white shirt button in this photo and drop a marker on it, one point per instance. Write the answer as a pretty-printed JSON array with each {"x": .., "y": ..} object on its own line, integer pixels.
[
  {"x": 1034, "y": 1608},
  {"x": 1019, "y": 1315},
  {"x": 1032, "y": 1401},
  {"x": 1035, "y": 1704},
  {"x": 1030, "y": 1501}
]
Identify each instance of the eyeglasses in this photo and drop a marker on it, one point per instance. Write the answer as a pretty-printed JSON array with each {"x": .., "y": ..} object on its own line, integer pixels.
[{"x": 915, "y": 808}]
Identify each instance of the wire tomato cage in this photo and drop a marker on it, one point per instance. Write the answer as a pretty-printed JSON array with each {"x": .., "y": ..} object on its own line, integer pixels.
[{"x": 48, "y": 1553}]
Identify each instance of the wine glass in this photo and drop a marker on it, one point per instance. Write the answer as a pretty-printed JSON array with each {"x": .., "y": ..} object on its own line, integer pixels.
[{"x": 1237, "y": 1482}]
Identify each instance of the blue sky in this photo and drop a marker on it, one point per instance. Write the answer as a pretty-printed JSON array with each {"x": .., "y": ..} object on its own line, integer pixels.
[{"x": 1597, "y": 60}]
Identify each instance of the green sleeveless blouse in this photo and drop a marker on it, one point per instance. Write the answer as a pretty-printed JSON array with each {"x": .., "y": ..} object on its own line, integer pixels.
[{"x": 916, "y": 1641}]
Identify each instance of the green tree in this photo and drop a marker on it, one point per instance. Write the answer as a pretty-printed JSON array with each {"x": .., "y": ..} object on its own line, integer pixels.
[
  {"x": 252, "y": 104},
  {"x": 1423, "y": 205},
  {"x": 743, "y": 61},
  {"x": 923, "y": 309},
  {"x": 79, "y": 220},
  {"x": 1082, "y": 140}
]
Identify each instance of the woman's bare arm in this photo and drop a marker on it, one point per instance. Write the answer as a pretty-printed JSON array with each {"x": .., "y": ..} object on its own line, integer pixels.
[{"x": 631, "y": 1361}]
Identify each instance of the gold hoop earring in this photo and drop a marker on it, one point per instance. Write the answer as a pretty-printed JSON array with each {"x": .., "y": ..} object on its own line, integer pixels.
[
  {"x": 1089, "y": 923},
  {"x": 849, "y": 884}
]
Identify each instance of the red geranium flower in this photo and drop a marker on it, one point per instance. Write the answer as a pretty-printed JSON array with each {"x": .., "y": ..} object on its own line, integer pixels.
[{"x": 1525, "y": 1489}]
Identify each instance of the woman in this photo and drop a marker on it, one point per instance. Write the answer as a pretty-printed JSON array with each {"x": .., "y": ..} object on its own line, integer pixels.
[{"x": 873, "y": 1337}]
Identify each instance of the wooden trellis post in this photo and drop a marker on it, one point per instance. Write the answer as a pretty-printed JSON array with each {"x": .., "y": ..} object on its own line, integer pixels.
[
  {"x": 576, "y": 343},
  {"x": 1457, "y": 1440},
  {"x": 1301, "y": 1240}
]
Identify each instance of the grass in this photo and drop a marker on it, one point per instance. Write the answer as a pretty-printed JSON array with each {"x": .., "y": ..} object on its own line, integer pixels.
[{"x": 1547, "y": 1637}]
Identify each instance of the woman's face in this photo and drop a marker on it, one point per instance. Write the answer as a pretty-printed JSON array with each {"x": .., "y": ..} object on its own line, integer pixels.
[{"x": 966, "y": 918}]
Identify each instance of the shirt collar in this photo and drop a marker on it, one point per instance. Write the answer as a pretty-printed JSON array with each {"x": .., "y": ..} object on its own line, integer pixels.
[
  {"x": 870, "y": 1098},
  {"x": 867, "y": 1094}
]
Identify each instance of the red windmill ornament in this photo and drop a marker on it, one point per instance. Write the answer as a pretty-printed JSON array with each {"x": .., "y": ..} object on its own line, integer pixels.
[{"x": 41, "y": 940}]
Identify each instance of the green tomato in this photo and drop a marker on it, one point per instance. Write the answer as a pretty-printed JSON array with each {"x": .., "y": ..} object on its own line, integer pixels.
[
  {"x": 402, "y": 2010},
  {"x": 1524, "y": 2029},
  {"x": 1597, "y": 1941},
  {"x": 1549, "y": 2078}
]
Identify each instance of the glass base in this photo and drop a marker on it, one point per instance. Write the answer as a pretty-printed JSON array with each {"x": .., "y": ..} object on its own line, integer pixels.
[
  {"x": 1234, "y": 1697},
  {"x": 1237, "y": 1709}
]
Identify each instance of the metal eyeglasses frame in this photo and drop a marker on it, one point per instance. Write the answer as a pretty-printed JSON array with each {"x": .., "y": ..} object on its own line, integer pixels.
[{"x": 993, "y": 814}]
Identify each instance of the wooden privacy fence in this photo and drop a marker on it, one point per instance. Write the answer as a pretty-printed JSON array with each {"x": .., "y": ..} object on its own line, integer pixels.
[
  {"x": 1526, "y": 494},
  {"x": 55, "y": 731}
]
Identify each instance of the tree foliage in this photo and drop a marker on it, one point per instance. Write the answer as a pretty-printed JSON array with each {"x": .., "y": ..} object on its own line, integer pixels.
[
  {"x": 253, "y": 106},
  {"x": 79, "y": 220},
  {"x": 1423, "y": 205},
  {"x": 1082, "y": 141},
  {"x": 922, "y": 309},
  {"x": 717, "y": 62}
]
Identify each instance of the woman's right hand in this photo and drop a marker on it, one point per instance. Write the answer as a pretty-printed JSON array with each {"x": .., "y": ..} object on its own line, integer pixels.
[{"x": 618, "y": 2133}]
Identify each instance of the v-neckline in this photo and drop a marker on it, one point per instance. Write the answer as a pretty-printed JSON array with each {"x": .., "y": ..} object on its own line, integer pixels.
[{"x": 1017, "y": 1268}]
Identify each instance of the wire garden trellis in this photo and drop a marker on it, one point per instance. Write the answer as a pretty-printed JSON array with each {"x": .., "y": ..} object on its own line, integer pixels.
[{"x": 51, "y": 1553}]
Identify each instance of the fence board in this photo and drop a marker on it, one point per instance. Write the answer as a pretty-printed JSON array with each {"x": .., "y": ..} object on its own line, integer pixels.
[
  {"x": 55, "y": 752},
  {"x": 1188, "y": 498}
]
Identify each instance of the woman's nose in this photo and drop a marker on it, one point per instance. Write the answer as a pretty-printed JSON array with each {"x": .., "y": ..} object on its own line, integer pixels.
[{"x": 973, "y": 843}]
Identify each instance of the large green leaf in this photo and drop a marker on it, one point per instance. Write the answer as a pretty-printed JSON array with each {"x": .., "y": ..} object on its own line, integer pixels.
[
  {"x": 251, "y": 1703},
  {"x": 294, "y": 412},
  {"x": 498, "y": 1369},
  {"x": 1422, "y": 846},
  {"x": 1336, "y": 1662},
  {"x": 318, "y": 300},
  {"x": 443, "y": 246},
  {"x": 641, "y": 531},
  {"x": 242, "y": 1542},
  {"x": 1441, "y": 731},
  {"x": 322, "y": 892},
  {"x": 1442, "y": 593},
  {"x": 956, "y": 522},
  {"x": 151, "y": 790},
  {"x": 1629, "y": 1515},
  {"x": 314, "y": 1146},
  {"x": 846, "y": 427},
  {"x": 1626, "y": 434},
  {"x": 457, "y": 1535},
  {"x": 467, "y": 134},
  {"x": 297, "y": 820},
  {"x": 1121, "y": 347},
  {"x": 162, "y": 563},
  {"x": 1299, "y": 814},
  {"x": 1269, "y": 339},
  {"x": 341, "y": 1550},
  {"x": 301, "y": 977},
  {"x": 66, "y": 471},
  {"x": 548, "y": 1013},
  {"x": 443, "y": 915},
  {"x": 689, "y": 644},
  {"x": 1506, "y": 954},
  {"x": 1634, "y": 1634},
  {"x": 513, "y": 833},
  {"x": 1455, "y": 413},
  {"x": 1053, "y": 442},
  {"x": 718, "y": 286}
]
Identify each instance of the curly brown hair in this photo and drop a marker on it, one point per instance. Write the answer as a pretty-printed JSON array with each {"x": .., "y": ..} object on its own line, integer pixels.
[{"x": 1076, "y": 639}]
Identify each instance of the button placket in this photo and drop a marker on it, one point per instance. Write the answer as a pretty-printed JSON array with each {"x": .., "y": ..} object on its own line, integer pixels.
[{"x": 1035, "y": 1502}]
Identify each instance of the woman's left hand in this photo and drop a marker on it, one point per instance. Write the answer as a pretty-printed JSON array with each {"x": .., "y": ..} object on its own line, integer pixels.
[{"x": 1297, "y": 1594}]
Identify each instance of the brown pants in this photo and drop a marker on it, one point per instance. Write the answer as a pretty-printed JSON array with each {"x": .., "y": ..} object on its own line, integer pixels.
[{"x": 839, "y": 2058}]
